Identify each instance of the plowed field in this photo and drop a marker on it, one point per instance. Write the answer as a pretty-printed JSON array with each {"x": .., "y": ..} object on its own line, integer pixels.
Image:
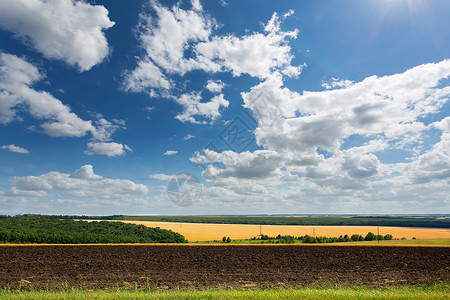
[{"x": 105, "y": 266}]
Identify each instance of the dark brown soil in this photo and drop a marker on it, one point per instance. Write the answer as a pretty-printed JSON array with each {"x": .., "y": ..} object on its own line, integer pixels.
[{"x": 219, "y": 266}]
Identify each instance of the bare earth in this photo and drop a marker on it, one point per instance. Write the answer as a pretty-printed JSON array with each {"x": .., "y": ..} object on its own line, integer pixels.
[{"x": 108, "y": 266}]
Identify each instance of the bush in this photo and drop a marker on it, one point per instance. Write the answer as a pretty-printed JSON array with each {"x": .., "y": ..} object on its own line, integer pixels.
[
  {"x": 355, "y": 237},
  {"x": 379, "y": 237},
  {"x": 309, "y": 240},
  {"x": 370, "y": 237},
  {"x": 285, "y": 239},
  {"x": 264, "y": 237}
]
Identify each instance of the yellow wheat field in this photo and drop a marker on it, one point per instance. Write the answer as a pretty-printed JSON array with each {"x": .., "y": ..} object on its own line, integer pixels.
[{"x": 209, "y": 232}]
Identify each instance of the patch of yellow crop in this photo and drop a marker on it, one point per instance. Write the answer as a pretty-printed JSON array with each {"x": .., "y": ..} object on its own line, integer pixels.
[{"x": 209, "y": 232}]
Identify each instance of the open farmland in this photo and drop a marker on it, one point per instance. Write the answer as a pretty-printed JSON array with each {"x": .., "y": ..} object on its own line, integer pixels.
[
  {"x": 164, "y": 266},
  {"x": 209, "y": 232}
]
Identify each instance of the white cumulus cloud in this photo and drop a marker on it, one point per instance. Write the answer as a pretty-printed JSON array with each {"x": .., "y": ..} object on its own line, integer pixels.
[
  {"x": 16, "y": 93},
  {"x": 390, "y": 105},
  {"x": 307, "y": 140},
  {"x": 192, "y": 106},
  {"x": 215, "y": 86},
  {"x": 170, "y": 152},
  {"x": 85, "y": 172},
  {"x": 110, "y": 149},
  {"x": 82, "y": 183},
  {"x": 177, "y": 41},
  {"x": 162, "y": 177},
  {"x": 14, "y": 148},
  {"x": 67, "y": 30},
  {"x": 258, "y": 54}
]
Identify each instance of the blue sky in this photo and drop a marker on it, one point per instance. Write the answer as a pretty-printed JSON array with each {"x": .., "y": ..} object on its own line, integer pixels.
[{"x": 275, "y": 107}]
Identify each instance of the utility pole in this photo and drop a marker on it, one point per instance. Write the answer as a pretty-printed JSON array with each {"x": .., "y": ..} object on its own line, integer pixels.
[
  {"x": 378, "y": 234},
  {"x": 314, "y": 232}
]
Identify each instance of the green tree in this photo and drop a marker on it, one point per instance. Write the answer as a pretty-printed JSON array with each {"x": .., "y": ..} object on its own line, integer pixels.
[
  {"x": 355, "y": 237},
  {"x": 388, "y": 237},
  {"x": 370, "y": 237},
  {"x": 308, "y": 240}
]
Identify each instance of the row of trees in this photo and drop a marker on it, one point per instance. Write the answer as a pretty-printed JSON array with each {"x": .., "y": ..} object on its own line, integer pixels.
[
  {"x": 288, "y": 239},
  {"x": 50, "y": 229},
  {"x": 430, "y": 222},
  {"x": 341, "y": 239},
  {"x": 400, "y": 221}
]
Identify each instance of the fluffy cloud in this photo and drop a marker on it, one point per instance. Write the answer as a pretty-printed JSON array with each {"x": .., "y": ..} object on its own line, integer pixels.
[
  {"x": 170, "y": 152},
  {"x": 258, "y": 164},
  {"x": 110, "y": 149},
  {"x": 244, "y": 173},
  {"x": 67, "y": 30},
  {"x": 82, "y": 183},
  {"x": 215, "y": 86},
  {"x": 433, "y": 165},
  {"x": 16, "y": 78},
  {"x": 258, "y": 54},
  {"x": 337, "y": 83},
  {"x": 85, "y": 172},
  {"x": 192, "y": 106},
  {"x": 167, "y": 38},
  {"x": 196, "y": 5},
  {"x": 14, "y": 148},
  {"x": 176, "y": 32},
  {"x": 178, "y": 41},
  {"x": 307, "y": 139},
  {"x": 389, "y": 105},
  {"x": 162, "y": 177},
  {"x": 145, "y": 77}
]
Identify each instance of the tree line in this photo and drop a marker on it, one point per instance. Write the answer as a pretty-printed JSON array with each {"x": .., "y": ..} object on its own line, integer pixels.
[
  {"x": 285, "y": 220},
  {"x": 41, "y": 229},
  {"x": 396, "y": 221},
  {"x": 306, "y": 239}
]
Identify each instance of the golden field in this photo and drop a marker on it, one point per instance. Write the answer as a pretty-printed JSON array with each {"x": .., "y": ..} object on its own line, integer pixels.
[{"x": 209, "y": 232}]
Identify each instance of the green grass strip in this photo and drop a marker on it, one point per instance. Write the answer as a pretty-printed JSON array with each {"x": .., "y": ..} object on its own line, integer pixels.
[{"x": 437, "y": 291}]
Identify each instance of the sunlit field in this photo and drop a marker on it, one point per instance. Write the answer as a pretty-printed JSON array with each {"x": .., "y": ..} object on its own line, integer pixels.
[{"x": 209, "y": 232}]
